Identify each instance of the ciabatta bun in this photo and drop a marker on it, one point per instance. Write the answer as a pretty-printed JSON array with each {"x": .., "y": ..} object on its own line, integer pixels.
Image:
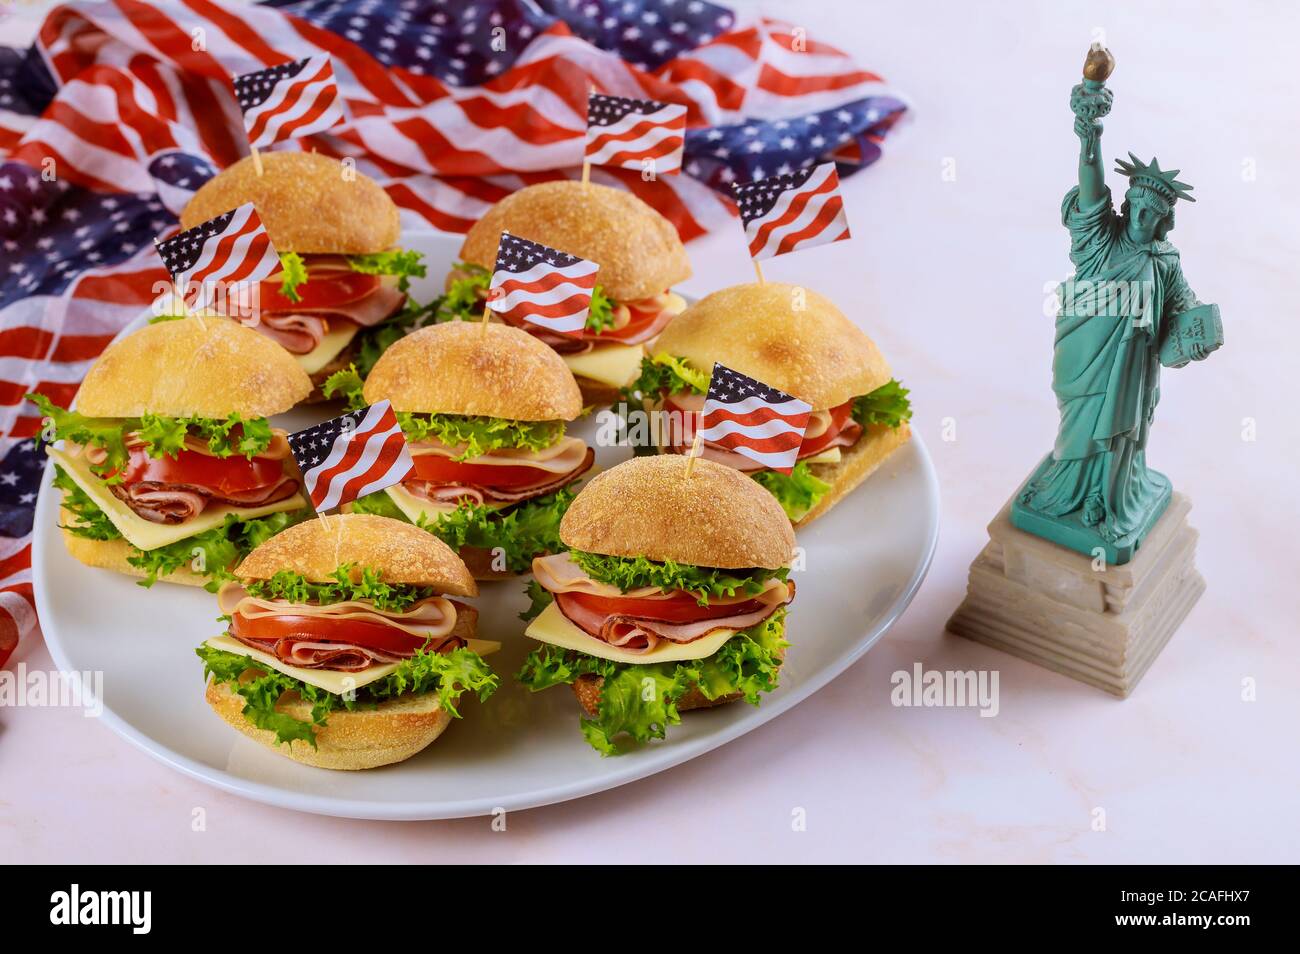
[
  {"x": 637, "y": 249},
  {"x": 401, "y": 552},
  {"x": 648, "y": 507},
  {"x": 462, "y": 367},
  {"x": 209, "y": 367},
  {"x": 786, "y": 336},
  {"x": 112, "y": 555},
  {"x": 308, "y": 203},
  {"x": 362, "y": 739},
  {"x": 857, "y": 463}
]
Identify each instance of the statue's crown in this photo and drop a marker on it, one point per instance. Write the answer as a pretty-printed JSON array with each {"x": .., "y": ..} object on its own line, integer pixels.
[{"x": 1152, "y": 176}]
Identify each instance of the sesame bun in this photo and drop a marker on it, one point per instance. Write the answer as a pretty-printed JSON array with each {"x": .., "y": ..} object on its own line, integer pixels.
[
  {"x": 208, "y": 367},
  {"x": 814, "y": 353},
  {"x": 401, "y": 552},
  {"x": 648, "y": 507},
  {"x": 365, "y": 738},
  {"x": 463, "y": 367},
  {"x": 308, "y": 202},
  {"x": 637, "y": 249}
]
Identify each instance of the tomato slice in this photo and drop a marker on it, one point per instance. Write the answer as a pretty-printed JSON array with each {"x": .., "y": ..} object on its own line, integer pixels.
[
  {"x": 323, "y": 290},
  {"x": 444, "y": 470},
  {"x": 353, "y": 632},
  {"x": 839, "y": 418},
  {"x": 681, "y": 607},
  {"x": 222, "y": 476}
]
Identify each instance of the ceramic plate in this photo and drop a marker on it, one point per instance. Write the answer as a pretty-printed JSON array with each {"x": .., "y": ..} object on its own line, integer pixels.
[{"x": 864, "y": 563}]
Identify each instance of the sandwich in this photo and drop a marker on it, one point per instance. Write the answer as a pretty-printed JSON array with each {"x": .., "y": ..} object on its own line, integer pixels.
[
  {"x": 483, "y": 408},
  {"x": 340, "y": 296},
  {"x": 169, "y": 468},
  {"x": 640, "y": 258},
  {"x": 671, "y": 596},
  {"x": 796, "y": 340},
  {"x": 343, "y": 647}
]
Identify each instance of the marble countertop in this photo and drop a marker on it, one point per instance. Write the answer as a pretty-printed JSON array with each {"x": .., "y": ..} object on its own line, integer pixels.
[{"x": 957, "y": 241}]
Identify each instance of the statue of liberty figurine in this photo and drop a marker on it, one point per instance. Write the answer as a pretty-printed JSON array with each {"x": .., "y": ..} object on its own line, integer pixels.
[{"x": 1127, "y": 310}]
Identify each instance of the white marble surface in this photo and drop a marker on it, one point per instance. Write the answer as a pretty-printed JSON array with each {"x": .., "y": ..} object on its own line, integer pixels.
[{"x": 949, "y": 277}]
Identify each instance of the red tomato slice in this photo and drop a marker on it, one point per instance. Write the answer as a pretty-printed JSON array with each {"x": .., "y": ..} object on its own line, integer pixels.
[
  {"x": 351, "y": 631},
  {"x": 322, "y": 291},
  {"x": 640, "y": 321},
  {"x": 839, "y": 418},
  {"x": 681, "y": 607},
  {"x": 230, "y": 475},
  {"x": 444, "y": 470}
]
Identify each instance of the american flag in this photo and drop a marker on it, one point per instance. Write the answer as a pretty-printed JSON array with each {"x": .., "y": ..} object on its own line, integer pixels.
[
  {"x": 542, "y": 285},
  {"x": 789, "y": 212},
  {"x": 288, "y": 101},
  {"x": 749, "y": 417},
  {"x": 112, "y": 119},
  {"x": 360, "y": 453},
  {"x": 233, "y": 250},
  {"x": 629, "y": 133}
]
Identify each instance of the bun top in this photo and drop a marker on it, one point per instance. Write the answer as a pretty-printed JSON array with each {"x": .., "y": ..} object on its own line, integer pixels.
[
  {"x": 637, "y": 249},
  {"x": 462, "y": 367},
  {"x": 309, "y": 203},
  {"x": 401, "y": 552},
  {"x": 814, "y": 353},
  {"x": 648, "y": 507},
  {"x": 205, "y": 367}
]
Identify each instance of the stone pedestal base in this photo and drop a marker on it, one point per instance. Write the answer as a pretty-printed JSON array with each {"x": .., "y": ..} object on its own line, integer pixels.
[{"x": 1039, "y": 601}]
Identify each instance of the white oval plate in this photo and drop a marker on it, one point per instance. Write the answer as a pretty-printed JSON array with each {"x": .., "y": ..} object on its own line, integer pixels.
[{"x": 864, "y": 563}]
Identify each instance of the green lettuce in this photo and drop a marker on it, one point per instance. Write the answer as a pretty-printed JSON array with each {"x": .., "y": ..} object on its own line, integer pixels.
[
  {"x": 665, "y": 374},
  {"x": 629, "y": 573},
  {"x": 349, "y": 583},
  {"x": 797, "y": 492},
  {"x": 293, "y": 272},
  {"x": 88, "y": 520},
  {"x": 539, "y": 597},
  {"x": 399, "y": 262},
  {"x": 220, "y": 548},
  {"x": 480, "y": 434},
  {"x": 887, "y": 405},
  {"x": 450, "y": 676},
  {"x": 748, "y": 663}
]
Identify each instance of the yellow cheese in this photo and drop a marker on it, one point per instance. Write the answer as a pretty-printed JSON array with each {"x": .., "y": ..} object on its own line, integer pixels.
[
  {"x": 414, "y": 507},
  {"x": 614, "y": 364},
  {"x": 831, "y": 456},
  {"x": 142, "y": 534},
  {"x": 331, "y": 680},
  {"x": 331, "y": 345},
  {"x": 553, "y": 627}
]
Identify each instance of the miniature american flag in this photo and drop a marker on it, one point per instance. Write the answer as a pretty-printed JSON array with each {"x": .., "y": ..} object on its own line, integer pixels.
[
  {"x": 288, "y": 101},
  {"x": 627, "y": 133},
  {"x": 751, "y": 418},
  {"x": 788, "y": 212},
  {"x": 360, "y": 453},
  {"x": 232, "y": 250},
  {"x": 541, "y": 285}
]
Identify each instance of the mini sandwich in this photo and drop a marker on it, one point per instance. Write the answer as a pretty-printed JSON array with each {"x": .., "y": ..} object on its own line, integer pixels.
[
  {"x": 342, "y": 648},
  {"x": 483, "y": 408},
  {"x": 168, "y": 466},
  {"x": 640, "y": 258},
  {"x": 672, "y": 596},
  {"x": 793, "y": 339},
  {"x": 340, "y": 296}
]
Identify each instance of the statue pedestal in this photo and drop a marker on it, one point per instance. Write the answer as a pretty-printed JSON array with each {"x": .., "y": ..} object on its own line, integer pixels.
[{"x": 1040, "y": 601}]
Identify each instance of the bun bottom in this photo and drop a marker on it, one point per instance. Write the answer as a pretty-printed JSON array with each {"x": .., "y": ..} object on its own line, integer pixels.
[
  {"x": 112, "y": 554},
  {"x": 367, "y": 738},
  {"x": 855, "y": 466},
  {"x": 596, "y": 394}
]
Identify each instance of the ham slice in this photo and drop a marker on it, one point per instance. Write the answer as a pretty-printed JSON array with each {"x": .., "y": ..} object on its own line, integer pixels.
[
  {"x": 160, "y": 502},
  {"x": 299, "y": 331},
  {"x": 557, "y": 467},
  {"x": 295, "y": 333}
]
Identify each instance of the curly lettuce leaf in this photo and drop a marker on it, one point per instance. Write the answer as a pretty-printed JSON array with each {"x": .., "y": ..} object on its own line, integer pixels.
[
  {"x": 350, "y": 583},
  {"x": 887, "y": 405},
  {"x": 215, "y": 550},
  {"x": 629, "y": 573},
  {"x": 640, "y": 701},
  {"x": 464, "y": 298},
  {"x": 539, "y": 597},
  {"x": 293, "y": 272},
  {"x": 600, "y": 316},
  {"x": 106, "y": 433},
  {"x": 88, "y": 520},
  {"x": 347, "y": 385},
  {"x": 399, "y": 262},
  {"x": 666, "y": 374},
  {"x": 378, "y": 503},
  {"x": 479, "y": 434},
  {"x": 450, "y": 676},
  {"x": 797, "y": 492},
  {"x": 524, "y": 531}
]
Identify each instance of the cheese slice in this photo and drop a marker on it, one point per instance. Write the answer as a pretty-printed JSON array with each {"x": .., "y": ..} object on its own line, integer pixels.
[
  {"x": 616, "y": 365},
  {"x": 143, "y": 534},
  {"x": 331, "y": 680},
  {"x": 828, "y": 456},
  {"x": 553, "y": 627},
  {"x": 414, "y": 507},
  {"x": 330, "y": 347}
]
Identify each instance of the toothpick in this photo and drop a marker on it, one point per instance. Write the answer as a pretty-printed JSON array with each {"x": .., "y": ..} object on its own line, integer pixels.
[
  {"x": 758, "y": 270},
  {"x": 484, "y": 323},
  {"x": 257, "y": 159},
  {"x": 586, "y": 166},
  {"x": 695, "y": 452}
]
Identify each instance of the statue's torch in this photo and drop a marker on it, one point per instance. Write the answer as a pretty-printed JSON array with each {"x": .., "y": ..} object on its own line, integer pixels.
[{"x": 1091, "y": 99}]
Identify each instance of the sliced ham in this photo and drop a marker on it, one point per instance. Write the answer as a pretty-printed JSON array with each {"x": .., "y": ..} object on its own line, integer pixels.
[
  {"x": 295, "y": 333},
  {"x": 434, "y": 617},
  {"x": 167, "y": 503},
  {"x": 557, "y": 467}
]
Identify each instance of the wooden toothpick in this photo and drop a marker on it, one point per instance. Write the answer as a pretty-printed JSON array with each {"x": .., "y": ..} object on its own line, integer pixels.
[
  {"x": 758, "y": 270},
  {"x": 257, "y": 159},
  {"x": 696, "y": 447}
]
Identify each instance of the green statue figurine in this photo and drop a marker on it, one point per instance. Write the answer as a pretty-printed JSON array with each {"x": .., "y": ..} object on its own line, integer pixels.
[{"x": 1126, "y": 311}]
